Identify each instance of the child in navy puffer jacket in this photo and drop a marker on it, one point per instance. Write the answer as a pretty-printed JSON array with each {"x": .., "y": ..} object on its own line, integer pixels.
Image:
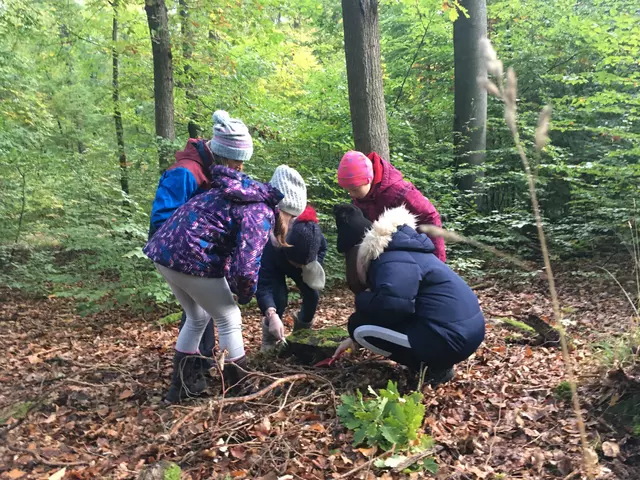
[
  {"x": 410, "y": 306},
  {"x": 211, "y": 248},
  {"x": 302, "y": 262}
]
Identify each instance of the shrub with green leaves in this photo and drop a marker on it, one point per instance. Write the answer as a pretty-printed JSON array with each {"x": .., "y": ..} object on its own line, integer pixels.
[{"x": 385, "y": 420}]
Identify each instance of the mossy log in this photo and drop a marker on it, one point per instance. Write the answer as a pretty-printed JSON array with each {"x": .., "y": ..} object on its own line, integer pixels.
[{"x": 311, "y": 346}]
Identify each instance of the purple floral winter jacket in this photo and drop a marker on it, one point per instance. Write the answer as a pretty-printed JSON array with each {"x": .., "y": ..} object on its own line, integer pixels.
[{"x": 221, "y": 232}]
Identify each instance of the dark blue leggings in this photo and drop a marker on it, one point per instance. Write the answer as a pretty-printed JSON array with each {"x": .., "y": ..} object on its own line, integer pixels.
[
  {"x": 310, "y": 298},
  {"x": 393, "y": 337}
]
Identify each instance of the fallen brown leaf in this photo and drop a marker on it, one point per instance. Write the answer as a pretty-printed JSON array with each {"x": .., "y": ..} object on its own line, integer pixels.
[
  {"x": 126, "y": 394},
  {"x": 610, "y": 449},
  {"x": 15, "y": 473}
]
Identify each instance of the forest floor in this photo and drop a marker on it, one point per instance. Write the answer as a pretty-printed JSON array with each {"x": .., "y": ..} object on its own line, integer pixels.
[{"x": 94, "y": 386}]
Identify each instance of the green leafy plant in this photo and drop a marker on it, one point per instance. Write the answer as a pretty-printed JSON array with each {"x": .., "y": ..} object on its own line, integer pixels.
[
  {"x": 563, "y": 391},
  {"x": 389, "y": 420},
  {"x": 385, "y": 420}
]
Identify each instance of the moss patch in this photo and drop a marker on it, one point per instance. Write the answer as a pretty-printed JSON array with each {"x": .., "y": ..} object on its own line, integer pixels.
[
  {"x": 173, "y": 472},
  {"x": 171, "y": 319},
  {"x": 162, "y": 470},
  {"x": 517, "y": 325},
  {"x": 563, "y": 391},
  {"x": 311, "y": 346},
  {"x": 17, "y": 411},
  {"x": 325, "y": 337}
]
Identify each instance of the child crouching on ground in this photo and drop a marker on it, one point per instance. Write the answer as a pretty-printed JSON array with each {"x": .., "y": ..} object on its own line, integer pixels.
[
  {"x": 410, "y": 306},
  {"x": 302, "y": 262}
]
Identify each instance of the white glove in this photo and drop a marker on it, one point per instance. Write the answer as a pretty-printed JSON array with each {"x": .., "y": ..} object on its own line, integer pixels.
[
  {"x": 276, "y": 327},
  {"x": 345, "y": 345},
  {"x": 313, "y": 275}
]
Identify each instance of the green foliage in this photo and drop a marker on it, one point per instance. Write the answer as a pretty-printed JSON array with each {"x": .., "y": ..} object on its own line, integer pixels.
[
  {"x": 173, "y": 472},
  {"x": 621, "y": 351},
  {"x": 66, "y": 228},
  {"x": 563, "y": 391},
  {"x": 17, "y": 411},
  {"x": 388, "y": 420},
  {"x": 171, "y": 319},
  {"x": 385, "y": 420}
]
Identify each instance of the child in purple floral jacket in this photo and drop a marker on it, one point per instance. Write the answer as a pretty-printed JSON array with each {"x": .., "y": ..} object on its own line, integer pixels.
[{"x": 210, "y": 248}]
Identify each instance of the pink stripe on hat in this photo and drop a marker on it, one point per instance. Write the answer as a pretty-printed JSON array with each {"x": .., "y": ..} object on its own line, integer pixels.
[{"x": 355, "y": 170}]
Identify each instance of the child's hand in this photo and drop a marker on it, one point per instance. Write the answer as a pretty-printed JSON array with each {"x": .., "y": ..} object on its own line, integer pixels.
[
  {"x": 276, "y": 327},
  {"x": 345, "y": 346}
]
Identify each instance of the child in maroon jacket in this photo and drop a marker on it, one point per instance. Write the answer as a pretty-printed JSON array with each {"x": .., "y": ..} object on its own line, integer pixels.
[{"x": 375, "y": 186}]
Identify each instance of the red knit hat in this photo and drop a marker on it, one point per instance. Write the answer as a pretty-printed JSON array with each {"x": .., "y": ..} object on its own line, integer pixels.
[{"x": 355, "y": 170}]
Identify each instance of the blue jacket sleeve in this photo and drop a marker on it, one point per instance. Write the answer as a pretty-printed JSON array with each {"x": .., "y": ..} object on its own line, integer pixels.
[
  {"x": 174, "y": 189},
  {"x": 267, "y": 277},
  {"x": 394, "y": 287}
]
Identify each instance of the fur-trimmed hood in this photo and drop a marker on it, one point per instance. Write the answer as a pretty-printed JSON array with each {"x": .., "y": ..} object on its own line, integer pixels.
[{"x": 394, "y": 230}]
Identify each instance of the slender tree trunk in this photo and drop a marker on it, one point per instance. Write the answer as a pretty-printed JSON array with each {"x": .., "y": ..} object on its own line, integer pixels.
[
  {"x": 364, "y": 75},
  {"x": 187, "y": 52},
  {"x": 470, "y": 116},
  {"x": 162, "y": 78},
  {"x": 117, "y": 115}
]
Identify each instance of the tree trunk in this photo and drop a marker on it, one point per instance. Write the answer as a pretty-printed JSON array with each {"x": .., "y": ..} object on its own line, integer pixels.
[
  {"x": 187, "y": 52},
  {"x": 470, "y": 116},
  {"x": 117, "y": 115},
  {"x": 162, "y": 78},
  {"x": 364, "y": 75}
]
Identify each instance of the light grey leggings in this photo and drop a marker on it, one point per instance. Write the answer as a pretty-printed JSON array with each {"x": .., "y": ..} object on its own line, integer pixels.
[{"x": 203, "y": 298}]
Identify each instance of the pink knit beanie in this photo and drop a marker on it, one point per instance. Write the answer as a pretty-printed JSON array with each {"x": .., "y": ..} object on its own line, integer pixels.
[{"x": 355, "y": 170}]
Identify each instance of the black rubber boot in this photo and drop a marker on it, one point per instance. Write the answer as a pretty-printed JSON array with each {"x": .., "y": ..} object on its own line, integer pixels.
[
  {"x": 297, "y": 324},
  {"x": 438, "y": 377},
  {"x": 184, "y": 382},
  {"x": 233, "y": 374},
  {"x": 201, "y": 374}
]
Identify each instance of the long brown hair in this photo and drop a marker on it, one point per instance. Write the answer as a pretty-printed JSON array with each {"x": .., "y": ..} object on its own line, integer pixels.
[
  {"x": 353, "y": 282},
  {"x": 280, "y": 230}
]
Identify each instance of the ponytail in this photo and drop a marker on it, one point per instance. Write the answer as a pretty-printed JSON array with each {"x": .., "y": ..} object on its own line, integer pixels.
[{"x": 280, "y": 231}]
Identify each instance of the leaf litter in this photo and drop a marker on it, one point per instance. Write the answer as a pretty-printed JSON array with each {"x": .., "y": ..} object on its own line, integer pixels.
[{"x": 95, "y": 383}]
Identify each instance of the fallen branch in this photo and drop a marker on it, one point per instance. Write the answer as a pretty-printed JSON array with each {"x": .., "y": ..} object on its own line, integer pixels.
[
  {"x": 44, "y": 461},
  {"x": 416, "y": 458},
  {"x": 233, "y": 400},
  {"x": 368, "y": 463}
]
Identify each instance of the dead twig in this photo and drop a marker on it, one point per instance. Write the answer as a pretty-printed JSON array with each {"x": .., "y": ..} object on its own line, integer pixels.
[
  {"x": 44, "y": 461},
  {"x": 365, "y": 464},
  {"x": 416, "y": 458},
  {"x": 243, "y": 399},
  {"x": 493, "y": 440}
]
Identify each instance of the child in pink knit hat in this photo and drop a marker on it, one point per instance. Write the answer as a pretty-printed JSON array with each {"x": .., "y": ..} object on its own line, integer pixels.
[{"x": 375, "y": 186}]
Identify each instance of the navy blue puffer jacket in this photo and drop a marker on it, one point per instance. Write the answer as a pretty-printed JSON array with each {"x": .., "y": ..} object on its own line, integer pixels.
[{"x": 408, "y": 283}]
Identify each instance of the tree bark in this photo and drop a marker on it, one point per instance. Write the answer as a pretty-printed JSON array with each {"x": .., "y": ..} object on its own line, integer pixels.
[
  {"x": 117, "y": 114},
  {"x": 193, "y": 126},
  {"x": 364, "y": 76},
  {"x": 470, "y": 115},
  {"x": 158, "y": 21}
]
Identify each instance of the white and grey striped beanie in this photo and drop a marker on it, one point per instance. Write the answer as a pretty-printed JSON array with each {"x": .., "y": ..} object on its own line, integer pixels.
[
  {"x": 231, "y": 138},
  {"x": 292, "y": 186}
]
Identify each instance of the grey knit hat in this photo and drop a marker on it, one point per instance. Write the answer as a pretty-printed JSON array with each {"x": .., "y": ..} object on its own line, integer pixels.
[
  {"x": 231, "y": 137},
  {"x": 291, "y": 184}
]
